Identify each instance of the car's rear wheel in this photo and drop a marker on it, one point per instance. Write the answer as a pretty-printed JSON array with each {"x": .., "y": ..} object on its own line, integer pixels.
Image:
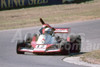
[
  {"x": 19, "y": 45},
  {"x": 75, "y": 43},
  {"x": 78, "y": 42}
]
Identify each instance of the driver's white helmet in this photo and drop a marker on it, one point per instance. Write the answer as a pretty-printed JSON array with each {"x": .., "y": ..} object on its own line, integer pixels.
[{"x": 48, "y": 30}]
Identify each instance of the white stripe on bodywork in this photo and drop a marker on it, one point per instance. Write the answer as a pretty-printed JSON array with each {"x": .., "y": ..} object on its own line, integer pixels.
[
  {"x": 54, "y": 50},
  {"x": 27, "y": 50}
]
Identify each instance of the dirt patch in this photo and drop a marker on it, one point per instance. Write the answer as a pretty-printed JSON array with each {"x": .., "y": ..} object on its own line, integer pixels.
[
  {"x": 77, "y": 60},
  {"x": 91, "y": 60},
  {"x": 92, "y": 57}
]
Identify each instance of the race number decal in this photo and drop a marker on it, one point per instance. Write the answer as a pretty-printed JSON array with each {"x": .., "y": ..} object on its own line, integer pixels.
[{"x": 40, "y": 47}]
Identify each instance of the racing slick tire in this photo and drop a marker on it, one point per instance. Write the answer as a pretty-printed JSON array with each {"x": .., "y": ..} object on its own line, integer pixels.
[
  {"x": 78, "y": 41},
  {"x": 19, "y": 45},
  {"x": 75, "y": 41},
  {"x": 65, "y": 47}
]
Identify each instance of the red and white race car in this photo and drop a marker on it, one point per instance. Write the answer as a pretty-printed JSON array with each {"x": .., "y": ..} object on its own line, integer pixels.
[{"x": 50, "y": 40}]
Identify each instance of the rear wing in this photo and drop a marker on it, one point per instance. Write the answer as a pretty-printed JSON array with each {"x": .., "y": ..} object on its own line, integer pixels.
[{"x": 62, "y": 30}]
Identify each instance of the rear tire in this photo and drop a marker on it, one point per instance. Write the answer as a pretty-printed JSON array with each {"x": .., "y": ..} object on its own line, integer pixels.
[
  {"x": 78, "y": 41},
  {"x": 75, "y": 44}
]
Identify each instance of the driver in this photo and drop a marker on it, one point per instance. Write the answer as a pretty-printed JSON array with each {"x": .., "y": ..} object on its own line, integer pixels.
[
  {"x": 46, "y": 28},
  {"x": 46, "y": 37}
]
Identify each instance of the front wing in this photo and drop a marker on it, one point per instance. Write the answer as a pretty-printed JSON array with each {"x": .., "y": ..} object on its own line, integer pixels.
[{"x": 39, "y": 50}]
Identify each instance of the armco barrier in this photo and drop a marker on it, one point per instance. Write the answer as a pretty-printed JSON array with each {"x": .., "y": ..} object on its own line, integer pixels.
[{"x": 6, "y": 4}]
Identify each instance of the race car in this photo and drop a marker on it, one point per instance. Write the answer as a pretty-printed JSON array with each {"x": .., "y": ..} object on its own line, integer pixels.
[{"x": 50, "y": 40}]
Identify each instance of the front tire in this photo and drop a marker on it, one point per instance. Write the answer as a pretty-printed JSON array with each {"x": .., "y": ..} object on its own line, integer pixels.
[
  {"x": 65, "y": 47},
  {"x": 19, "y": 45}
]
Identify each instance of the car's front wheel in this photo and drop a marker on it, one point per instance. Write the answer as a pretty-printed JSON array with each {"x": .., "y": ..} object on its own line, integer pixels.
[
  {"x": 19, "y": 45},
  {"x": 65, "y": 47}
]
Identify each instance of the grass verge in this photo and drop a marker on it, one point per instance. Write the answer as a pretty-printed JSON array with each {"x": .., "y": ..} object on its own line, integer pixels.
[
  {"x": 92, "y": 57},
  {"x": 29, "y": 17}
]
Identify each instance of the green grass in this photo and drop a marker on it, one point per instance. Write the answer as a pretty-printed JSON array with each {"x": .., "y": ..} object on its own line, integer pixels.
[{"x": 29, "y": 17}]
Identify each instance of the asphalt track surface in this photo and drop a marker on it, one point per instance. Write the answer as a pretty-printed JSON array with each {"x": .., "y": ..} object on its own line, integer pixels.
[{"x": 90, "y": 31}]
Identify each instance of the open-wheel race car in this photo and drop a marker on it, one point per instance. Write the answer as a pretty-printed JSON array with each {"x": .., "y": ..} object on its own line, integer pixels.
[{"x": 50, "y": 40}]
